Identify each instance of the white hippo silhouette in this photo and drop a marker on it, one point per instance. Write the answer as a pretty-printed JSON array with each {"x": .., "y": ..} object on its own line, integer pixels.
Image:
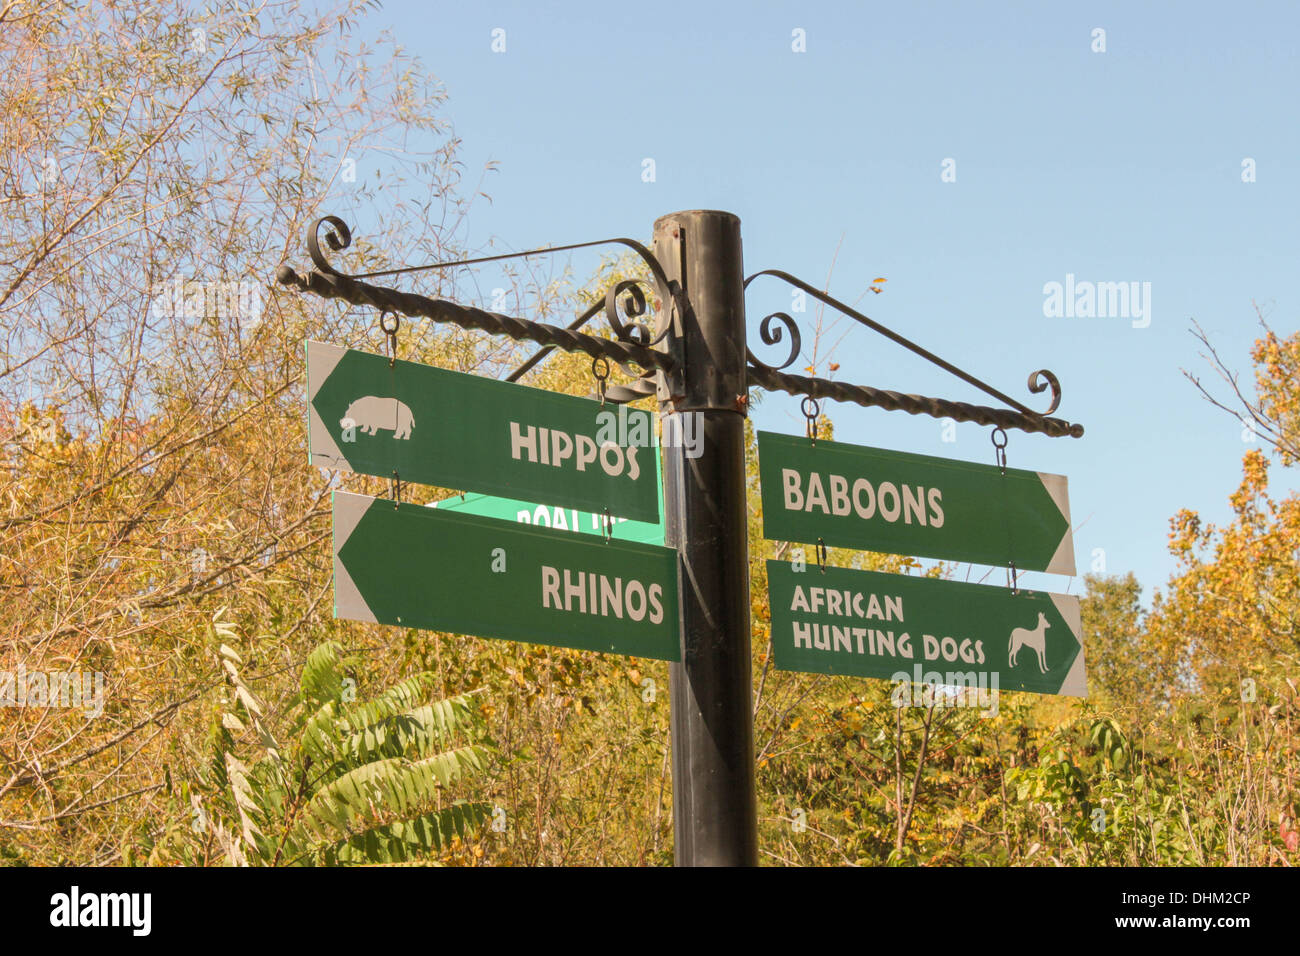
[{"x": 371, "y": 413}]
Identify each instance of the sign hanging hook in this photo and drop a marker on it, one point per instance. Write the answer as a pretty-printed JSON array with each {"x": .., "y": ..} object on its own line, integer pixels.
[
  {"x": 1000, "y": 456},
  {"x": 389, "y": 323},
  {"x": 1000, "y": 449},
  {"x": 811, "y": 416},
  {"x": 600, "y": 369}
]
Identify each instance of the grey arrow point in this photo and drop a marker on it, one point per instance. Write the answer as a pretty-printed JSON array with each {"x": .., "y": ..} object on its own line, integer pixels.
[
  {"x": 349, "y": 509},
  {"x": 324, "y": 451},
  {"x": 1075, "y": 683},
  {"x": 1063, "y": 559}
]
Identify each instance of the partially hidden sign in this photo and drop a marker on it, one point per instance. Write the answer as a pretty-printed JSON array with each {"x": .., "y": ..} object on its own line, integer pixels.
[
  {"x": 432, "y": 426},
  {"x": 550, "y": 516},
  {"x": 430, "y": 568},
  {"x": 903, "y": 628},
  {"x": 889, "y": 501}
]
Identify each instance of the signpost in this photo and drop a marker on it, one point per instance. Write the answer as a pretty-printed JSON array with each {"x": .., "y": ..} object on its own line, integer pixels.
[
  {"x": 924, "y": 630},
  {"x": 414, "y": 566},
  {"x": 891, "y": 501},
  {"x": 542, "y": 460},
  {"x": 429, "y": 425}
]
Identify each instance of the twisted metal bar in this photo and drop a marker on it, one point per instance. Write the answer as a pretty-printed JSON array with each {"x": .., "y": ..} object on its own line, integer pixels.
[
  {"x": 1035, "y": 385},
  {"x": 630, "y": 331},
  {"x": 338, "y": 237},
  {"x": 865, "y": 395},
  {"x": 337, "y": 286},
  {"x": 634, "y": 342},
  {"x": 582, "y": 319}
]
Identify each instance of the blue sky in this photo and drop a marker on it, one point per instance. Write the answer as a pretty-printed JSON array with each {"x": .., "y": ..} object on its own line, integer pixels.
[{"x": 1115, "y": 166}]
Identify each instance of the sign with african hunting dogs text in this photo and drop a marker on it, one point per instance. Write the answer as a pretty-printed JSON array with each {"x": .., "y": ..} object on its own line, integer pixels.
[{"x": 924, "y": 630}]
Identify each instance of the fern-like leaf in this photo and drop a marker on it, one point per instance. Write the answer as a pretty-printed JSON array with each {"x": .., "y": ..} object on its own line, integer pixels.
[{"x": 406, "y": 841}]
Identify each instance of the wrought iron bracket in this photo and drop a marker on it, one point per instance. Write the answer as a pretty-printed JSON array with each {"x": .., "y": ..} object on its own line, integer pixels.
[
  {"x": 865, "y": 395},
  {"x": 771, "y": 377},
  {"x": 633, "y": 345}
]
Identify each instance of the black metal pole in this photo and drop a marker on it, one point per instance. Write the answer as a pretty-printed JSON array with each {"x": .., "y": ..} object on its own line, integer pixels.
[{"x": 715, "y": 814}]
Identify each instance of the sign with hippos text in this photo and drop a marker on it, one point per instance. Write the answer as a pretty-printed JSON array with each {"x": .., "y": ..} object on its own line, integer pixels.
[
  {"x": 924, "y": 630},
  {"x": 468, "y": 433}
]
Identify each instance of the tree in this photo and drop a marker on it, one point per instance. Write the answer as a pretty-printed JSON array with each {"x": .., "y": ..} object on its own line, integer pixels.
[
  {"x": 1234, "y": 604},
  {"x": 1119, "y": 675},
  {"x": 363, "y": 782},
  {"x": 158, "y": 161}
]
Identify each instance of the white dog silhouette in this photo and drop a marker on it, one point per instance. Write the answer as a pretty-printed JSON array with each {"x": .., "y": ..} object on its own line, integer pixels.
[{"x": 1036, "y": 639}]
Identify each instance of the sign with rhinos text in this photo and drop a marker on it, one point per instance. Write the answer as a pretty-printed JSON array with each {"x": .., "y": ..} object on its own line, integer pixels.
[
  {"x": 413, "y": 566},
  {"x": 877, "y": 500},
  {"x": 432, "y": 426},
  {"x": 924, "y": 630}
]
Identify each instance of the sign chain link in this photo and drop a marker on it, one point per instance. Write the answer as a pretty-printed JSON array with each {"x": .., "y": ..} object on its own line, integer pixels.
[
  {"x": 811, "y": 417},
  {"x": 600, "y": 369},
  {"x": 1000, "y": 457},
  {"x": 389, "y": 323}
]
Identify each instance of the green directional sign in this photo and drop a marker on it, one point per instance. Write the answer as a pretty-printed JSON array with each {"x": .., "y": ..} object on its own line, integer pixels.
[
  {"x": 924, "y": 630},
  {"x": 869, "y": 498},
  {"x": 551, "y": 516},
  {"x": 431, "y": 568},
  {"x": 471, "y": 433}
]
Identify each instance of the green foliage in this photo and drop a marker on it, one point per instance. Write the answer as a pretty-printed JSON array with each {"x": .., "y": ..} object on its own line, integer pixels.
[
  {"x": 154, "y": 465},
  {"x": 1119, "y": 673},
  {"x": 365, "y": 781}
]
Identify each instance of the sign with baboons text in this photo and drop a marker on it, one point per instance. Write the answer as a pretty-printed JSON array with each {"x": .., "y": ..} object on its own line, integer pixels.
[{"x": 900, "y": 503}]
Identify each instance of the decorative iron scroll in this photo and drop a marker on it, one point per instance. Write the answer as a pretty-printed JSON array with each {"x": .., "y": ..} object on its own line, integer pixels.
[
  {"x": 633, "y": 344},
  {"x": 339, "y": 237},
  {"x": 1017, "y": 416},
  {"x": 865, "y": 395}
]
